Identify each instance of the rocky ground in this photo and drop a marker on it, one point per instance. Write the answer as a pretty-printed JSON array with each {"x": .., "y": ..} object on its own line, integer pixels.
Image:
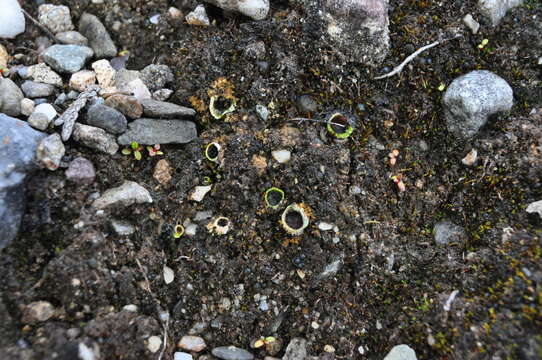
[{"x": 409, "y": 227}]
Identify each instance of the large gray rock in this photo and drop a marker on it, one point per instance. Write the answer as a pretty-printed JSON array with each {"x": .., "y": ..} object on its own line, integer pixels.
[
  {"x": 107, "y": 118},
  {"x": 401, "y": 352},
  {"x": 17, "y": 159},
  {"x": 472, "y": 98},
  {"x": 162, "y": 109},
  {"x": 67, "y": 58},
  {"x": 296, "y": 350},
  {"x": 356, "y": 29},
  {"x": 97, "y": 35},
  {"x": 495, "y": 10},
  {"x": 152, "y": 131},
  {"x": 55, "y": 18},
  {"x": 10, "y": 97},
  {"x": 446, "y": 232}
]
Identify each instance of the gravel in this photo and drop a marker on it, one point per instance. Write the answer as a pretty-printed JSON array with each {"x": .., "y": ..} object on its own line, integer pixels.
[
  {"x": 67, "y": 58},
  {"x": 192, "y": 343},
  {"x": 122, "y": 228},
  {"x": 95, "y": 138},
  {"x": 296, "y": 350},
  {"x": 306, "y": 104},
  {"x": 55, "y": 18},
  {"x": 81, "y": 80},
  {"x": 10, "y": 97},
  {"x": 156, "y": 76},
  {"x": 152, "y": 131},
  {"x": 106, "y": 118},
  {"x": 39, "y": 120},
  {"x": 472, "y": 98},
  {"x": 12, "y": 22},
  {"x": 43, "y": 73},
  {"x": 128, "y": 105},
  {"x": 198, "y": 17},
  {"x": 34, "y": 89},
  {"x": 98, "y": 37},
  {"x": 255, "y": 9},
  {"x": 124, "y": 195},
  {"x": 231, "y": 353},
  {"x": 50, "y": 151},
  {"x": 38, "y": 311},
  {"x": 495, "y": 10}
]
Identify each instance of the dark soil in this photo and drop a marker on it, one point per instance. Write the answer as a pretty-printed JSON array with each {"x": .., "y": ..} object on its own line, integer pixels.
[{"x": 393, "y": 280}]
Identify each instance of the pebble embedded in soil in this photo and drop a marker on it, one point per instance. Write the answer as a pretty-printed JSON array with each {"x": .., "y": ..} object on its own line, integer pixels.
[
  {"x": 262, "y": 111},
  {"x": 107, "y": 118},
  {"x": 98, "y": 37},
  {"x": 255, "y": 9},
  {"x": 156, "y": 76},
  {"x": 122, "y": 227},
  {"x": 281, "y": 156},
  {"x": 153, "y": 131},
  {"x": 95, "y": 138},
  {"x": 10, "y": 97},
  {"x": 198, "y": 17},
  {"x": 162, "y": 109},
  {"x": 67, "y": 58},
  {"x": 232, "y": 353},
  {"x": 472, "y": 24},
  {"x": 296, "y": 349},
  {"x": 401, "y": 352},
  {"x": 50, "y": 151},
  {"x": 81, "y": 171},
  {"x": 33, "y": 89},
  {"x": 472, "y": 98},
  {"x": 192, "y": 343},
  {"x": 162, "y": 172},
  {"x": 199, "y": 193},
  {"x": 470, "y": 158},
  {"x": 38, "y": 311},
  {"x": 154, "y": 344},
  {"x": 124, "y": 195},
  {"x": 446, "y": 232},
  {"x": 55, "y": 18}
]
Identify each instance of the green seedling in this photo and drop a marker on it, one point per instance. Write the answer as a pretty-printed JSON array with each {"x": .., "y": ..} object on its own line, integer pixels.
[{"x": 135, "y": 149}]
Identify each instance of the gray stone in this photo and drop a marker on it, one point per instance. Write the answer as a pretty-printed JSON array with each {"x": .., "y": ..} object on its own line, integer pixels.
[
  {"x": 152, "y": 131},
  {"x": 27, "y": 107},
  {"x": 44, "y": 74},
  {"x": 156, "y": 76},
  {"x": 255, "y": 50},
  {"x": 262, "y": 112},
  {"x": 97, "y": 35},
  {"x": 18, "y": 145},
  {"x": 81, "y": 171},
  {"x": 162, "y": 94},
  {"x": 192, "y": 343},
  {"x": 355, "y": 29},
  {"x": 107, "y": 118},
  {"x": 95, "y": 138},
  {"x": 296, "y": 350},
  {"x": 55, "y": 18},
  {"x": 122, "y": 228},
  {"x": 124, "y": 195},
  {"x": 446, "y": 232},
  {"x": 39, "y": 120},
  {"x": 255, "y": 9},
  {"x": 472, "y": 24},
  {"x": 67, "y": 58},
  {"x": 162, "y": 109},
  {"x": 231, "y": 353},
  {"x": 72, "y": 38},
  {"x": 50, "y": 151},
  {"x": 10, "y": 97},
  {"x": 472, "y": 98},
  {"x": 401, "y": 352},
  {"x": 34, "y": 89},
  {"x": 495, "y": 10},
  {"x": 306, "y": 104}
]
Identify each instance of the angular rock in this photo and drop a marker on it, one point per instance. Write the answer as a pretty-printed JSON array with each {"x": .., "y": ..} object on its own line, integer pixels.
[
  {"x": 472, "y": 24},
  {"x": 182, "y": 356},
  {"x": 67, "y": 58},
  {"x": 72, "y": 38},
  {"x": 192, "y": 343},
  {"x": 104, "y": 73},
  {"x": 198, "y": 17},
  {"x": 44, "y": 74},
  {"x": 138, "y": 89},
  {"x": 495, "y": 10},
  {"x": 535, "y": 207},
  {"x": 34, "y": 89},
  {"x": 152, "y": 131},
  {"x": 12, "y": 22},
  {"x": 38, "y": 311},
  {"x": 46, "y": 109},
  {"x": 10, "y": 97},
  {"x": 472, "y": 98},
  {"x": 296, "y": 350},
  {"x": 401, "y": 352},
  {"x": 81, "y": 80},
  {"x": 162, "y": 172},
  {"x": 55, "y": 18},
  {"x": 122, "y": 228},
  {"x": 231, "y": 353},
  {"x": 356, "y": 29},
  {"x": 106, "y": 118},
  {"x": 27, "y": 107},
  {"x": 4, "y": 57},
  {"x": 162, "y": 109},
  {"x": 95, "y": 138},
  {"x": 81, "y": 171},
  {"x": 156, "y": 76},
  {"x": 128, "y": 105},
  {"x": 446, "y": 232},
  {"x": 124, "y": 195},
  {"x": 162, "y": 94},
  {"x": 18, "y": 143},
  {"x": 97, "y": 35},
  {"x": 50, "y": 151},
  {"x": 255, "y": 9},
  {"x": 39, "y": 120}
]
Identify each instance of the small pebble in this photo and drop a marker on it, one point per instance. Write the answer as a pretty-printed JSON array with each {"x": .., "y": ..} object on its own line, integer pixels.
[
  {"x": 55, "y": 18},
  {"x": 162, "y": 172},
  {"x": 471, "y": 158},
  {"x": 306, "y": 104},
  {"x": 122, "y": 227},
  {"x": 282, "y": 156},
  {"x": 130, "y": 308},
  {"x": 182, "y": 356},
  {"x": 262, "y": 112},
  {"x": 401, "y": 352},
  {"x": 81, "y": 80},
  {"x": 199, "y": 193},
  {"x": 232, "y": 353},
  {"x": 124, "y": 195},
  {"x": 50, "y": 151},
  {"x": 472, "y": 24},
  {"x": 38, "y": 311},
  {"x": 192, "y": 343},
  {"x": 27, "y": 106},
  {"x": 81, "y": 171},
  {"x": 154, "y": 344},
  {"x": 198, "y": 17},
  {"x": 325, "y": 226},
  {"x": 105, "y": 74},
  {"x": 39, "y": 121}
]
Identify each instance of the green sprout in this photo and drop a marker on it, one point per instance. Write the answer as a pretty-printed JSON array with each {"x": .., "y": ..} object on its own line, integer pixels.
[
  {"x": 135, "y": 149},
  {"x": 441, "y": 87},
  {"x": 178, "y": 231},
  {"x": 273, "y": 197},
  {"x": 483, "y": 44},
  {"x": 154, "y": 150},
  {"x": 338, "y": 126},
  {"x": 207, "y": 180}
]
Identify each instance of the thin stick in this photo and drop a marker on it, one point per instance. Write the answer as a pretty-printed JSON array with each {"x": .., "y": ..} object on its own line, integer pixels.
[
  {"x": 50, "y": 34},
  {"x": 315, "y": 120},
  {"x": 165, "y": 327},
  {"x": 400, "y": 67}
]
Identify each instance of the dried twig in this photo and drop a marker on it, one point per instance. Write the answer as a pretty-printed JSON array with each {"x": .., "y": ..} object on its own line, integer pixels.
[
  {"x": 43, "y": 28},
  {"x": 71, "y": 114},
  {"x": 315, "y": 120},
  {"x": 400, "y": 67},
  {"x": 166, "y": 325}
]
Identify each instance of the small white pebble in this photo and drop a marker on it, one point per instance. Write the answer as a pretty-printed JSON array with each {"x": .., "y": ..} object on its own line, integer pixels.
[
  {"x": 361, "y": 350},
  {"x": 154, "y": 344},
  {"x": 329, "y": 349},
  {"x": 130, "y": 308},
  {"x": 199, "y": 193},
  {"x": 169, "y": 275},
  {"x": 315, "y": 325},
  {"x": 182, "y": 356},
  {"x": 325, "y": 226},
  {"x": 282, "y": 156}
]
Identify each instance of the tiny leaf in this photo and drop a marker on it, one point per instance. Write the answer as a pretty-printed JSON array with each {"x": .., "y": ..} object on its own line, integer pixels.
[
  {"x": 137, "y": 155},
  {"x": 126, "y": 151},
  {"x": 134, "y": 145}
]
